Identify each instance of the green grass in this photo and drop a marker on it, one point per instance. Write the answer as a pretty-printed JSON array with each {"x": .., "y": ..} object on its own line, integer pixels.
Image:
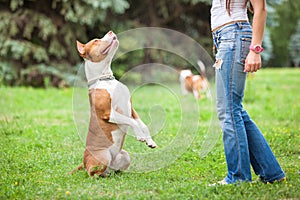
[{"x": 40, "y": 145}]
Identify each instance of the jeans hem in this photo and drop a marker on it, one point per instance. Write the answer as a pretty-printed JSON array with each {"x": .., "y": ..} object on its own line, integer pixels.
[
  {"x": 226, "y": 179},
  {"x": 276, "y": 178}
]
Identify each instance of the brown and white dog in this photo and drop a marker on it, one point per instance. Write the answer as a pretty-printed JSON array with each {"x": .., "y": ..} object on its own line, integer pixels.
[
  {"x": 111, "y": 111},
  {"x": 194, "y": 83}
]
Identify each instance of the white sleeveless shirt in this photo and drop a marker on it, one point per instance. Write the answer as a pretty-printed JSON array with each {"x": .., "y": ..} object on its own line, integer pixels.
[{"x": 220, "y": 16}]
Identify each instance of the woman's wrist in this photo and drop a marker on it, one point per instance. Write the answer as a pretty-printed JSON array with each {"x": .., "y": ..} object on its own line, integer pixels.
[{"x": 256, "y": 48}]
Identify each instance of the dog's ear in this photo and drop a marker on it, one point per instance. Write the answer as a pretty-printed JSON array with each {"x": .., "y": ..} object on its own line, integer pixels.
[{"x": 80, "y": 48}]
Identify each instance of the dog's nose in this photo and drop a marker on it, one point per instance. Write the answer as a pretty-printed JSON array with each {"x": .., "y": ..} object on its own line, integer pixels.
[{"x": 110, "y": 33}]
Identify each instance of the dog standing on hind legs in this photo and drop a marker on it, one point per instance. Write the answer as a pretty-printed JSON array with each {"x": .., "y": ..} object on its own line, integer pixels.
[{"x": 111, "y": 111}]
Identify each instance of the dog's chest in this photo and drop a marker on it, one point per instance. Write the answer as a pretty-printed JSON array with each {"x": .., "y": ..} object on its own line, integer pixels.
[{"x": 119, "y": 94}]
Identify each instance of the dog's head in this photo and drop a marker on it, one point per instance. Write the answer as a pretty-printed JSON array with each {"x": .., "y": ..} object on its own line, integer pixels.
[
  {"x": 184, "y": 73},
  {"x": 98, "y": 50}
]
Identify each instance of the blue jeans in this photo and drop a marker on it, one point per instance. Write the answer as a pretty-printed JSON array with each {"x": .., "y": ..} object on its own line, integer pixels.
[{"x": 244, "y": 143}]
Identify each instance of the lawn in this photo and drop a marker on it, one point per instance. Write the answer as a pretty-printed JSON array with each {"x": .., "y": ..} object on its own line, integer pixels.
[{"x": 41, "y": 143}]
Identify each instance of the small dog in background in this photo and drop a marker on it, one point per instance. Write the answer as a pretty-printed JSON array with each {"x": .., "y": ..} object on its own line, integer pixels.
[{"x": 195, "y": 84}]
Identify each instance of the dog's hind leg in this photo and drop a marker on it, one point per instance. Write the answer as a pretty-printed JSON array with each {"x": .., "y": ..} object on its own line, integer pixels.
[
  {"x": 196, "y": 94},
  {"x": 121, "y": 161},
  {"x": 97, "y": 163}
]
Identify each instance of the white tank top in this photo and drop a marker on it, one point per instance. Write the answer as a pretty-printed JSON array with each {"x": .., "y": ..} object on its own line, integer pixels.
[{"x": 220, "y": 16}]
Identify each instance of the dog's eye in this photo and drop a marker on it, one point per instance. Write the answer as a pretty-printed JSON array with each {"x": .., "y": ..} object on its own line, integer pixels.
[{"x": 97, "y": 40}]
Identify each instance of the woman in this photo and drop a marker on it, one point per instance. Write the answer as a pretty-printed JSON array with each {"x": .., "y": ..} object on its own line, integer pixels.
[{"x": 238, "y": 52}]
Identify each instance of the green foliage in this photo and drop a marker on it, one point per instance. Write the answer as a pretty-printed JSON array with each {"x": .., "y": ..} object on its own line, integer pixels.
[
  {"x": 89, "y": 12},
  {"x": 7, "y": 73},
  {"x": 43, "y": 33},
  {"x": 40, "y": 145},
  {"x": 294, "y": 46},
  {"x": 285, "y": 20},
  {"x": 268, "y": 47}
]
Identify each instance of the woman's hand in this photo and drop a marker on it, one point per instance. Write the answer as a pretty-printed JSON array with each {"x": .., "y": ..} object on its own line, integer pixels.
[{"x": 253, "y": 62}]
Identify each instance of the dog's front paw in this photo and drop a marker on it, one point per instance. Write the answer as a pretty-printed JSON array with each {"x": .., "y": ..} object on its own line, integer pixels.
[{"x": 151, "y": 143}]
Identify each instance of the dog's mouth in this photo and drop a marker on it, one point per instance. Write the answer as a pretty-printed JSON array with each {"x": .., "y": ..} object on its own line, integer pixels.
[{"x": 106, "y": 50}]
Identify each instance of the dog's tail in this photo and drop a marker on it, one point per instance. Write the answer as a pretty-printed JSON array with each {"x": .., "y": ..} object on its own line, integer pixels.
[
  {"x": 202, "y": 68},
  {"x": 80, "y": 167},
  {"x": 205, "y": 80}
]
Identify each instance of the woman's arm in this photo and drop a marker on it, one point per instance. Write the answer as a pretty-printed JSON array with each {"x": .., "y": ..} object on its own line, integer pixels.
[{"x": 253, "y": 60}]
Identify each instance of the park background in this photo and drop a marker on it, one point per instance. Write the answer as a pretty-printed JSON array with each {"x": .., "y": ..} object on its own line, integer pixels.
[{"x": 39, "y": 63}]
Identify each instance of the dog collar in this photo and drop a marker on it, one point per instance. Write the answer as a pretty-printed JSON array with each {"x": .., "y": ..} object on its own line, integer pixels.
[{"x": 105, "y": 77}]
